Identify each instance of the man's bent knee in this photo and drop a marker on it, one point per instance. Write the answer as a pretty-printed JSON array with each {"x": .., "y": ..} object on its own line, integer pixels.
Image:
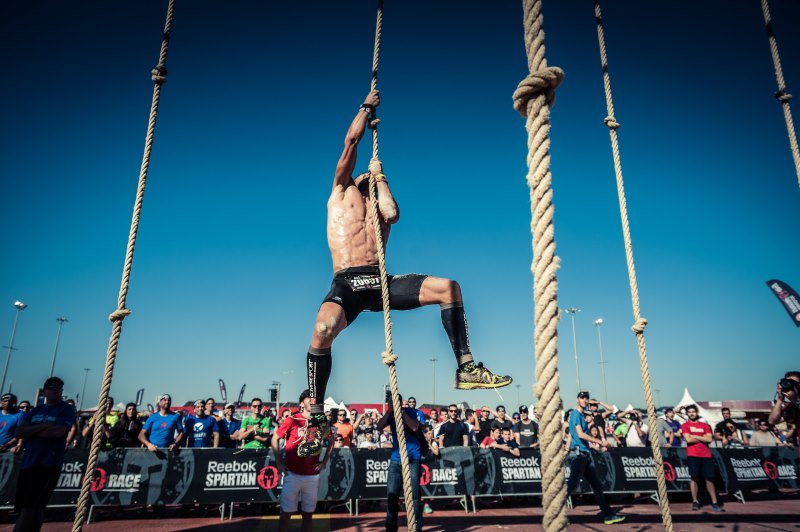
[
  {"x": 327, "y": 327},
  {"x": 437, "y": 290}
]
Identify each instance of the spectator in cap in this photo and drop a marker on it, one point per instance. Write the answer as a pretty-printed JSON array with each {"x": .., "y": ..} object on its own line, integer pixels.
[
  {"x": 10, "y": 419},
  {"x": 412, "y": 403},
  {"x": 228, "y": 427},
  {"x": 24, "y": 406},
  {"x": 301, "y": 474},
  {"x": 484, "y": 424},
  {"x": 580, "y": 460},
  {"x": 44, "y": 434},
  {"x": 160, "y": 428},
  {"x": 526, "y": 431},
  {"x": 201, "y": 429}
]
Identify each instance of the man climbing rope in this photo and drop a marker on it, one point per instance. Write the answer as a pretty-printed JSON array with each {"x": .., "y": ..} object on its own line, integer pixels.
[{"x": 356, "y": 283}]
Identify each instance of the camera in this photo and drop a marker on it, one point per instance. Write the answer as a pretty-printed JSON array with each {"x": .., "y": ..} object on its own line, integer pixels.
[{"x": 787, "y": 385}]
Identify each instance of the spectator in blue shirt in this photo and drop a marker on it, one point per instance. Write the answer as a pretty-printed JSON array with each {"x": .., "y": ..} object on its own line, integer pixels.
[
  {"x": 201, "y": 429},
  {"x": 44, "y": 434},
  {"x": 507, "y": 443},
  {"x": 580, "y": 460},
  {"x": 160, "y": 428},
  {"x": 394, "y": 484},
  {"x": 228, "y": 425},
  {"x": 10, "y": 419}
]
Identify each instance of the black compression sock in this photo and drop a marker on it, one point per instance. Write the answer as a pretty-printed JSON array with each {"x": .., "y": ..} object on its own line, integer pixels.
[
  {"x": 318, "y": 368},
  {"x": 455, "y": 324}
]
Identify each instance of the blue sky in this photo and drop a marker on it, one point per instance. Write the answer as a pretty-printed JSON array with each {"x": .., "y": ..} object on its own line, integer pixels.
[{"x": 231, "y": 262}]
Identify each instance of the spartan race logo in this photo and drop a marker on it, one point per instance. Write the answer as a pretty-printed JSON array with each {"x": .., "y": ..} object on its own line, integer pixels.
[
  {"x": 520, "y": 469},
  {"x": 753, "y": 469},
  {"x": 102, "y": 481},
  {"x": 235, "y": 475},
  {"x": 644, "y": 468},
  {"x": 438, "y": 476}
]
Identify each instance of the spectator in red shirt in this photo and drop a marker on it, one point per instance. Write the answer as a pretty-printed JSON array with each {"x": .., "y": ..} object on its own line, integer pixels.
[
  {"x": 698, "y": 457},
  {"x": 344, "y": 428},
  {"x": 301, "y": 475}
]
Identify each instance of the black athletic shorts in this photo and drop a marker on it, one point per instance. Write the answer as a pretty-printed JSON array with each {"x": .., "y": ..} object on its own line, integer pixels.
[
  {"x": 359, "y": 289},
  {"x": 34, "y": 487},
  {"x": 700, "y": 467}
]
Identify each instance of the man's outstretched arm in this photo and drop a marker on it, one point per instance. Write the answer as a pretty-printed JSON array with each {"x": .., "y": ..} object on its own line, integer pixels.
[{"x": 347, "y": 162}]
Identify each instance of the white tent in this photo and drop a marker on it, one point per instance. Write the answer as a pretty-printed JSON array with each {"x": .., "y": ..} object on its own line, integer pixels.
[
  {"x": 330, "y": 403},
  {"x": 712, "y": 418}
]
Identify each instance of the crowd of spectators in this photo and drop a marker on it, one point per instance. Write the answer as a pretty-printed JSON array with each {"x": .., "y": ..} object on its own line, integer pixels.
[{"x": 252, "y": 425}]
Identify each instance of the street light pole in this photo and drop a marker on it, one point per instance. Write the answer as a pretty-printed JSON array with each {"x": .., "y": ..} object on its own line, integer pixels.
[
  {"x": 20, "y": 306},
  {"x": 60, "y": 320},
  {"x": 434, "y": 379},
  {"x": 572, "y": 311},
  {"x": 277, "y": 386},
  {"x": 598, "y": 322},
  {"x": 83, "y": 390}
]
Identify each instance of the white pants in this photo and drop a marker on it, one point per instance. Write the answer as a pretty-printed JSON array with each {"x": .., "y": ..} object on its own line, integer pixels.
[{"x": 302, "y": 488}]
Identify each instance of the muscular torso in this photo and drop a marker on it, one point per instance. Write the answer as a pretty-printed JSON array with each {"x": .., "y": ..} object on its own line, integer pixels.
[{"x": 351, "y": 237}]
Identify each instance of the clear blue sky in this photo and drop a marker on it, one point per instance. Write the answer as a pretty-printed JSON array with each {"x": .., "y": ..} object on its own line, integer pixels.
[{"x": 232, "y": 262}]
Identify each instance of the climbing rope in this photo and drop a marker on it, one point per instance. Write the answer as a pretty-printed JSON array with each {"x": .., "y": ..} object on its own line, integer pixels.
[
  {"x": 640, "y": 323},
  {"x": 388, "y": 357},
  {"x": 782, "y": 95},
  {"x": 533, "y": 99},
  {"x": 159, "y": 76}
]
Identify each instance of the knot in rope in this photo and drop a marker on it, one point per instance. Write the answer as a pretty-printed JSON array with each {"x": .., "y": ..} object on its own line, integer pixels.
[
  {"x": 375, "y": 167},
  {"x": 159, "y": 74},
  {"x": 611, "y": 122},
  {"x": 388, "y": 358},
  {"x": 119, "y": 314},
  {"x": 783, "y": 96},
  {"x": 544, "y": 81},
  {"x": 639, "y": 326},
  {"x": 373, "y": 122}
]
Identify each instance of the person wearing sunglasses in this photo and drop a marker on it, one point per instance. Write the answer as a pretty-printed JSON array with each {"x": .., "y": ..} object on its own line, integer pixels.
[
  {"x": 10, "y": 419},
  {"x": 453, "y": 433},
  {"x": 44, "y": 434}
]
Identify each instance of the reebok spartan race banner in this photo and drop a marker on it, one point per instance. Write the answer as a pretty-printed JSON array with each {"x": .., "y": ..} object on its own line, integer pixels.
[
  {"x": 216, "y": 476},
  {"x": 789, "y": 298}
]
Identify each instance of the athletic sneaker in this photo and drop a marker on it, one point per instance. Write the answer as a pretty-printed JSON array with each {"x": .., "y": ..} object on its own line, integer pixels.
[
  {"x": 427, "y": 509},
  {"x": 613, "y": 519},
  {"x": 717, "y": 508},
  {"x": 317, "y": 430},
  {"x": 695, "y": 506},
  {"x": 476, "y": 376}
]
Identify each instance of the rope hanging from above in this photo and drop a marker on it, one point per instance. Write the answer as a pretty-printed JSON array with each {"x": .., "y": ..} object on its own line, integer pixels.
[
  {"x": 640, "y": 323},
  {"x": 388, "y": 357},
  {"x": 533, "y": 99},
  {"x": 159, "y": 75},
  {"x": 782, "y": 95}
]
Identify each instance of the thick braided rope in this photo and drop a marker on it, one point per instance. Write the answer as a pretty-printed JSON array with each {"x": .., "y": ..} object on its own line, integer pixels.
[
  {"x": 159, "y": 74},
  {"x": 533, "y": 99},
  {"x": 388, "y": 357},
  {"x": 640, "y": 322},
  {"x": 782, "y": 95}
]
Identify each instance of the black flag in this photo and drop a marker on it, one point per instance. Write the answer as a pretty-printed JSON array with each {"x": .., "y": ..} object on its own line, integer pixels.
[
  {"x": 223, "y": 391},
  {"x": 139, "y": 396},
  {"x": 788, "y": 297},
  {"x": 241, "y": 395}
]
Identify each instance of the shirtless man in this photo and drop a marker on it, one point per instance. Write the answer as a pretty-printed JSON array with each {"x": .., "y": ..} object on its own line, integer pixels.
[{"x": 356, "y": 281}]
